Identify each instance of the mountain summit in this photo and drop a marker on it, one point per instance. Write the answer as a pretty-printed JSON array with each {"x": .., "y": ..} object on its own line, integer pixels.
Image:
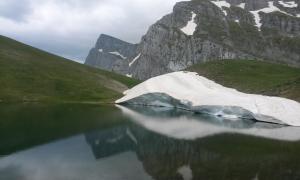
[
  {"x": 110, "y": 54},
  {"x": 198, "y": 31}
]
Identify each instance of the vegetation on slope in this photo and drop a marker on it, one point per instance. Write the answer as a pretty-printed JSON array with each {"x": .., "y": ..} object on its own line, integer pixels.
[
  {"x": 29, "y": 74},
  {"x": 253, "y": 77}
]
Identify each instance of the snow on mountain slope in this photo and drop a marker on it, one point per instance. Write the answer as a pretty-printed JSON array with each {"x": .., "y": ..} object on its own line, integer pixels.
[
  {"x": 192, "y": 90},
  {"x": 118, "y": 54},
  {"x": 271, "y": 8},
  {"x": 222, "y": 4},
  {"x": 191, "y": 26},
  {"x": 290, "y": 4}
]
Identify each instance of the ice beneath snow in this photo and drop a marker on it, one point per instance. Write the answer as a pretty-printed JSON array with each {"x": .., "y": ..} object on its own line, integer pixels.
[
  {"x": 187, "y": 90},
  {"x": 289, "y": 4},
  {"x": 191, "y": 26},
  {"x": 222, "y": 4},
  {"x": 118, "y": 54}
]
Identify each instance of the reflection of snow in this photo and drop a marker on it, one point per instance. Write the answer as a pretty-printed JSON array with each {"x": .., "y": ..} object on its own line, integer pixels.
[
  {"x": 114, "y": 140},
  {"x": 131, "y": 136},
  {"x": 189, "y": 127},
  {"x": 186, "y": 172},
  {"x": 97, "y": 142}
]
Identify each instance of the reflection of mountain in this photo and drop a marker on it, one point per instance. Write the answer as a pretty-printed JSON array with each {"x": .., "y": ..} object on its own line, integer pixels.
[
  {"x": 216, "y": 157},
  {"x": 111, "y": 142}
]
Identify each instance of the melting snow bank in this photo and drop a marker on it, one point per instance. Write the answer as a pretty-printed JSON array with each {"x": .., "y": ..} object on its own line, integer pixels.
[{"x": 189, "y": 91}]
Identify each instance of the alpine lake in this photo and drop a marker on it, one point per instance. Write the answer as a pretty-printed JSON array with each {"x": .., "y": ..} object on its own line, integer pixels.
[{"x": 108, "y": 142}]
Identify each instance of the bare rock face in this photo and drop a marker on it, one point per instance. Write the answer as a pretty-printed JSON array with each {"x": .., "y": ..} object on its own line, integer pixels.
[
  {"x": 203, "y": 30},
  {"x": 111, "y": 54}
]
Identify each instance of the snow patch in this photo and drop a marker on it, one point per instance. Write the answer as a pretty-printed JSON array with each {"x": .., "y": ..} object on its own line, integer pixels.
[
  {"x": 242, "y": 5},
  {"x": 298, "y": 15},
  {"x": 200, "y": 91},
  {"x": 271, "y": 8},
  {"x": 100, "y": 50},
  {"x": 135, "y": 59},
  {"x": 237, "y": 21},
  {"x": 129, "y": 75},
  {"x": 118, "y": 54},
  {"x": 191, "y": 26},
  {"x": 222, "y": 4},
  {"x": 289, "y": 4}
]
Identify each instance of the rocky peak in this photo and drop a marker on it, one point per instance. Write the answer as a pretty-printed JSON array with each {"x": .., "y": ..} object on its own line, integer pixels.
[
  {"x": 232, "y": 29},
  {"x": 202, "y": 30},
  {"x": 111, "y": 44},
  {"x": 111, "y": 54}
]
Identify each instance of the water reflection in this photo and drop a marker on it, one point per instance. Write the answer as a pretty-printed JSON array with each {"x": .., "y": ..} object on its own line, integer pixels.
[
  {"x": 224, "y": 156},
  {"x": 71, "y": 159},
  {"x": 187, "y": 125},
  {"x": 163, "y": 144}
]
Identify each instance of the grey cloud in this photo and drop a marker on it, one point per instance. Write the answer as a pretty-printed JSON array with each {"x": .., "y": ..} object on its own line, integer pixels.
[
  {"x": 15, "y": 9},
  {"x": 70, "y": 27}
]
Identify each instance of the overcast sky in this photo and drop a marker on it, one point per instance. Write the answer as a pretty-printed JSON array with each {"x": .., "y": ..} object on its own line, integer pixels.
[{"x": 71, "y": 27}]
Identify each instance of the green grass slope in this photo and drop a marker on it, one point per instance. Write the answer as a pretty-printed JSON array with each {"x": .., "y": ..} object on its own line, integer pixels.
[
  {"x": 253, "y": 77},
  {"x": 29, "y": 74}
]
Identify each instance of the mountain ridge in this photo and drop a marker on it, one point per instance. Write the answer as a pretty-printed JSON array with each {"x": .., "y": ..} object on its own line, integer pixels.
[
  {"x": 232, "y": 29},
  {"x": 110, "y": 53}
]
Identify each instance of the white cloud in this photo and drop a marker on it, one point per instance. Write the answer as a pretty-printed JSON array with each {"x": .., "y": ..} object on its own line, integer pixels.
[{"x": 71, "y": 27}]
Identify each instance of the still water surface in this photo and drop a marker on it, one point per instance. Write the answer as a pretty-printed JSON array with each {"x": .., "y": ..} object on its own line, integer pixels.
[{"x": 76, "y": 142}]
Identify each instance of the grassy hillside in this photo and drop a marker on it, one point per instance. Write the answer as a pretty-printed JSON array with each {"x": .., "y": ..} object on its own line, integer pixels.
[
  {"x": 29, "y": 74},
  {"x": 253, "y": 77}
]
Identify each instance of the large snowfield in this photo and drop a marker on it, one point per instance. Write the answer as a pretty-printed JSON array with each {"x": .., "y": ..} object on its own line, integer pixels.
[{"x": 193, "y": 90}]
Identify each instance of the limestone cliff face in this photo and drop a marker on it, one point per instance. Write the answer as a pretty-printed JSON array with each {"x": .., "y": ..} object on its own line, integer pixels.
[
  {"x": 111, "y": 54},
  {"x": 202, "y": 30}
]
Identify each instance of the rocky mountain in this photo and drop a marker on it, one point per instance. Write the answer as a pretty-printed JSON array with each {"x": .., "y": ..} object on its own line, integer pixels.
[
  {"x": 202, "y": 30},
  {"x": 111, "y": 54}
]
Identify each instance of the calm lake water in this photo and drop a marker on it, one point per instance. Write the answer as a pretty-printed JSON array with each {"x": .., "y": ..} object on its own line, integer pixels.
[{"x": 92, "y": 142}]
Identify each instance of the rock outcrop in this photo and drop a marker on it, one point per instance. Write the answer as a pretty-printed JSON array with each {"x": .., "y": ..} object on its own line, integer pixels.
[
  {"x": 111, "y": 54},
  {"x": 202, "y": 30}
]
